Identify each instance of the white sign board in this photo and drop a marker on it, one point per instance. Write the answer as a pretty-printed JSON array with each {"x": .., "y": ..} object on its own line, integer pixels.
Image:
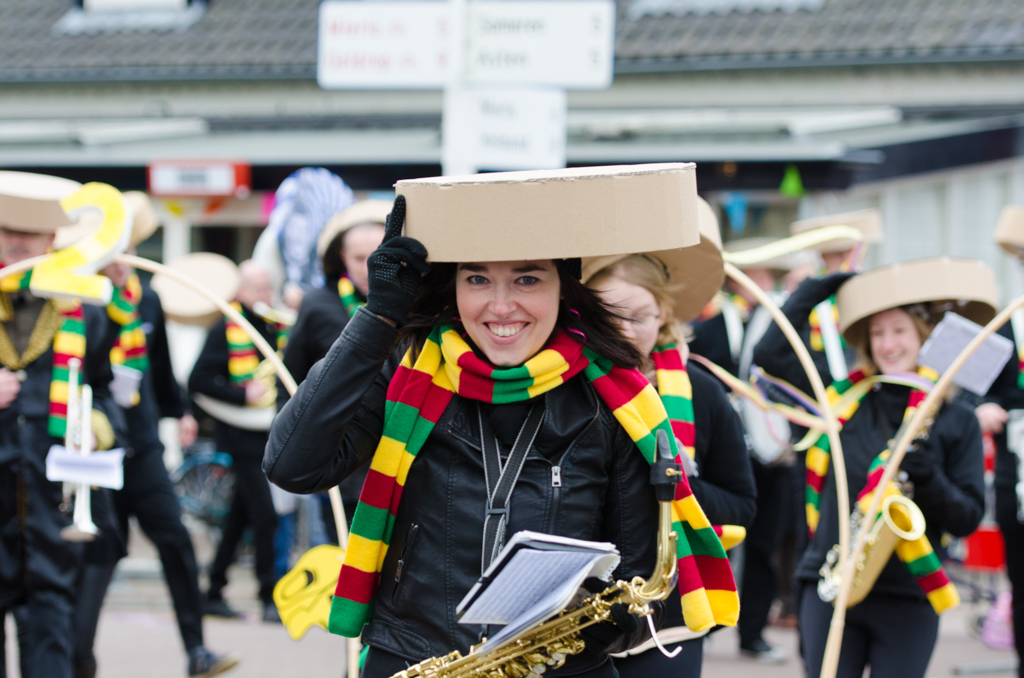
[
  {"x": 405, "y": 45},
  {"x": 199, "y": 178},
  {"x": 382, "y": 45},
  {"x": 562, "y": 43},
  {"x": 506, "y": 129}
]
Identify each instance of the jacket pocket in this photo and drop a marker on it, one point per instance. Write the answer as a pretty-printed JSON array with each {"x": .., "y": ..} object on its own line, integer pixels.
[{"x": 403, "y": 561}]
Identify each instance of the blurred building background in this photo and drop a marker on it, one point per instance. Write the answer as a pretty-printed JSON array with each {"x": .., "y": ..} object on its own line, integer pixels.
[{"x": 790, "y": 108}]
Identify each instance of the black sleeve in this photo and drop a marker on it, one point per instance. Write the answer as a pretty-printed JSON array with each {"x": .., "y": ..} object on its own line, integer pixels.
[
  {"x": 210, "y": 374},
  {"x": 336, "y": 418},
  {"x": 711, "y": 340},
  {"x": 955, "y": 496},
  {"x": 321, "y": 321},
  {"x": 169, "y": 398},
  {"x": 773, "y": 352},
  {"x": 631, "y": 523},
  {"x": 725, "y": 488},
  {"x": 1004, "y": 391},
  {"x": 99, "y": 339}
]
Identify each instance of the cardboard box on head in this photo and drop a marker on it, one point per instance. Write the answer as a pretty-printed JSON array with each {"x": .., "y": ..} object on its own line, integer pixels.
[
  {"x": 553, "y": 214},
  {"x": 1010, "y": 231},
  {"x": 31, "y": 202},
  {"x": 964, "y": 286},
  {"x": 696, "y": 273}
]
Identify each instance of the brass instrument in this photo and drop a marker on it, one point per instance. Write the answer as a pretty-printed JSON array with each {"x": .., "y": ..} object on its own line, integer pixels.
[
  {"x": 900, "y": 519},
  {"x": 257, "y": 416},
  {"x": 547, "y": 645},
  {"x": 78, "y": 437}
]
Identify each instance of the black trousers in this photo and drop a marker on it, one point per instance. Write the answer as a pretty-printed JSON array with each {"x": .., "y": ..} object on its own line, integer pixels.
[
  {"x": 149, "y": 496},
  {"x": 1013, "y": 536},
  {"x": 45, "y": 636},
  {"x": 686, "y": 664},
  {"x": 759, "y": 583},
  {"x": 894, "y": 636},
  {"x": 251, "y": 507}
]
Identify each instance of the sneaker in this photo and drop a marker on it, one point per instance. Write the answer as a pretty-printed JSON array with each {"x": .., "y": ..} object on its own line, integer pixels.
[
  {"x": 270, "y": 614},
  {"x": 202, "y": 663},
  {"x": 217, "y": 607},
  {"x": 762, "y": 652}
]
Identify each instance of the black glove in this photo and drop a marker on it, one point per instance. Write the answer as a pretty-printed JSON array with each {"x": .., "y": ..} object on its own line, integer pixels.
[
  {"x": 394, "y": 269},
  {"x": 599, "y": 637},
  {"x": 920, "y": 465}
]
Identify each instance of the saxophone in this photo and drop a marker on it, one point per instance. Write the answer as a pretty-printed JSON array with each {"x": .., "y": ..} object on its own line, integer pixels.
[
  {"x": 547, "y": 645},
  {"x": 900, "y": 519}
]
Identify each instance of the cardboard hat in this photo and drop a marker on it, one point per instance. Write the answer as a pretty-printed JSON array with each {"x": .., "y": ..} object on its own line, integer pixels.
[
  {"x": 182, "y": 304},
  {"x": 31, "y": 202},
  {"x": 696, "y": 273},
  {"x": 363, "y": 212},
  {"x": 868, "y": 222},
  {"x": 144, "y": 222},
  {"x": 965, "y": 286},
  {"x": 779, "y": 266},
  {"x": 1010, "y": 230},
  {"x": 553, "y": 214}
]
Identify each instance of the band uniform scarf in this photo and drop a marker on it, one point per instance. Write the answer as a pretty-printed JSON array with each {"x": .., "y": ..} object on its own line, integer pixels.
[
  {"x": 417, "y": 396},
  {"x": 676, "y": 393},
  {"x": 243, "y": 358},
  {"x": 68, "y": 343},
  {"x": 349, "y": 298},
  {"x": 917, "y": 555},
  {"x": 817, "y": 343},
  {"x": 130, "y": 345}
]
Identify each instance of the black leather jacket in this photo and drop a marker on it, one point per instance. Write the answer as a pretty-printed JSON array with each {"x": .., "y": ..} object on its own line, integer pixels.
[{"x": 333, "y": 424}]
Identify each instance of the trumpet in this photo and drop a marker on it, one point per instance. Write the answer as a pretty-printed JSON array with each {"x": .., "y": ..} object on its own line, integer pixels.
[
  {"x": 78, "y": 437},
  {"x": 547, "y": 645}
]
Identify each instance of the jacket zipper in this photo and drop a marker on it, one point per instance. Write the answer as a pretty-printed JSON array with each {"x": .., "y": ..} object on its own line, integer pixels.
[
  {"x": 410, "y": 537},
  {"x": 556, "y": 474}
]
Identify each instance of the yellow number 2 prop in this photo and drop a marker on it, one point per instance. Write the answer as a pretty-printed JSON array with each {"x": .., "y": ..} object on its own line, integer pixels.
[
  {"x": 303, "y": 596},
  {"x": 72, "y": 272}
]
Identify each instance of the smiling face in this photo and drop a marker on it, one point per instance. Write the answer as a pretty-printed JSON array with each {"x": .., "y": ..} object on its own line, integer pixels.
[
  {"x": 643, "y": 315},
  {"x": 508, "y": 308},
  {"x": 895, "y": 341}
]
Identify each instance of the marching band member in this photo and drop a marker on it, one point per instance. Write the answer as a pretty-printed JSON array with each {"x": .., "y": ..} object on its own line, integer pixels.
[
  {"x": 499, "y": 356},
  {"x": 39, "y": 570},
  {"x": 887, "y": 314},
  {"x": 141, "y": 357},
  {"x": 225, "y": 372},
  {"x": 348, "y": 239},
  {"x": 655, "y": 294},
  {"x": 1006, "y": 402}
]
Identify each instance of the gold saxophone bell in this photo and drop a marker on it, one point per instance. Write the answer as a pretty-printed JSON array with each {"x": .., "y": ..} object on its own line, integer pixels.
[
  {"x": 266, "y": 375},
  {"x": 901, "y": 519},
  {"x": 547, "y": 645}
]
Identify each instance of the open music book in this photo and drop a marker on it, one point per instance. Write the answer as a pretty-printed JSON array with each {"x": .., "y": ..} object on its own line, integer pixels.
[{"x": 533, "y": 578}]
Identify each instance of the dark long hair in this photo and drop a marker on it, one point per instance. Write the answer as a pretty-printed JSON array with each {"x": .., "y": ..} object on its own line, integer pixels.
[{"x": 435, "y": 305}]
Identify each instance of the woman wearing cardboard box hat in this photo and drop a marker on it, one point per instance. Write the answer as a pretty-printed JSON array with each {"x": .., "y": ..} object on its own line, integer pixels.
[
  {"x": 655, "y": 293},
  {"x": 887, "y": 314},
  {"x": 998, "y": 416},
  {"x": 502, "y": 351}
]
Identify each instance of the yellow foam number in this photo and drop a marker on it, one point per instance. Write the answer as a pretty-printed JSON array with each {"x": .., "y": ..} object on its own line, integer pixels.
[
  {"x": 303, "y": 596},
  {"x": 72, "y": 272}
]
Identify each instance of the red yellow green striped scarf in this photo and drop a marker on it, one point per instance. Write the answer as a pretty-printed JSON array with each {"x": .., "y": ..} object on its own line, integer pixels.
[
  {"x": 917, "y": 555},
  {"x": 817, "y": 343},
  {"x": 677, "y": 396},
  {"x": 417, "y": 396},
  {"x": 243, "y": 358},
  {"x": 68, "y": 343},
  {"x": 130, "y": 346},
  {"x": 349, "y": 299}
]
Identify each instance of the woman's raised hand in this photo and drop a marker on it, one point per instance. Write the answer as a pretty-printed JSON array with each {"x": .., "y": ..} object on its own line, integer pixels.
[{"x": 394, "y": 269}]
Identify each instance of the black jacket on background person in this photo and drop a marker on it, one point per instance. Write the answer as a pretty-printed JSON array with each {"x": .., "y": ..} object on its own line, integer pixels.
[
  {"x": 333, "y": 425},
  {"x": 1007, "y": 394},
  {"x": 210, "y": 377},
  {"x": 711, "y": 341}
]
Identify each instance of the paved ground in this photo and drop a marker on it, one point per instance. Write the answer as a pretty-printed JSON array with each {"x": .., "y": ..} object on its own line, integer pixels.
[{"x": 138, "y": 637}]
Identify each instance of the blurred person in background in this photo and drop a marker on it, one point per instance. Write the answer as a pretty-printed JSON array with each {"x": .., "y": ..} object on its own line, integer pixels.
[
  {"x": 226, "y": 371},
  {"x": 145, "y": 388},
  {"x": 287, "y": 248},
  {"x": 39, "y": 568},
  {"x": 345, "y": 244}
]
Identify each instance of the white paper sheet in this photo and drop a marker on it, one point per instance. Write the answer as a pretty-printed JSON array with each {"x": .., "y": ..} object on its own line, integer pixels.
[
  {"x": 101, "y": 469},
  {"x": 950, "y": 337}
]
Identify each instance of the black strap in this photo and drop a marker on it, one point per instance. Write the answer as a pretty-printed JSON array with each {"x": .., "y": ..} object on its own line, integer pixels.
[{"x": 501, "y": 481}]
